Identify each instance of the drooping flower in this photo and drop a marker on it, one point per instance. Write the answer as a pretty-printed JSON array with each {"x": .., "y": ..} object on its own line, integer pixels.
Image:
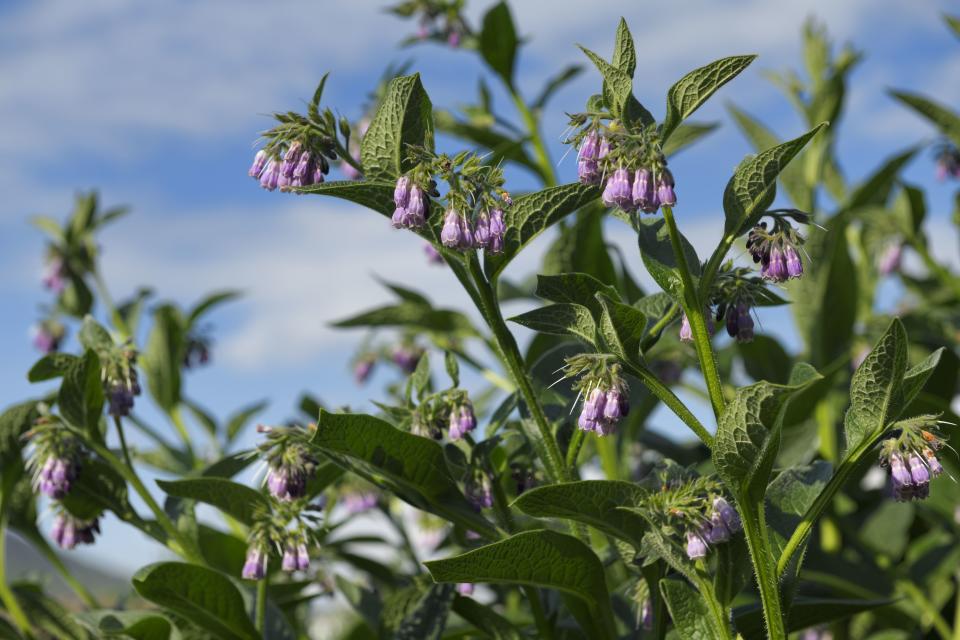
[
  {"x": 451, "y": 234},
  {"x": 792, "y": 260},
  {"x": 270, "y": 175},
  {"x": 401, "y": 192},
  {"x": 259, "y": 162},
  {"x": 696, "y": 546},
  {"x": 47, "y": 335},
  {"x": 406, "y": 357},
  {"x": 479, "y": 492},
  {"x": 901, "y": 477},
  {"x": 588, "y": 170},
  {"x": 497, "y": 229},
  {"x": 646, "y": 615},
  {"x": 416, "y": 208},
  {"x": 462, "y": 420},
  {"x": 363, "y": 369},
  {"x": 890, "y": 259},
  {"x": 289, "y": 470},
  {"x": 724, "y": 522},
  {"x": 616, "y": 405},
  {"x": 57, "y": 475},
  {"x": 665, "y": 184},
  {"x": 121, "y": 386},
  {"x": 255, "y": 564},
  {"x": 433, "y": 256},
  {"x": 920, "y": 475},
  {"x": 296, "y": 557},
  {"x": 644, "y": 195},
  {"x": 739, "y": 322},
  {"x": 465, "y": 588},
  {"x": 466, "y": 235},
  {"x": 69, "y": 531},
  {"x": 481, "y": 231},
  {"x": 592, "y": 412},
  {"x": 618, "y": 191}
]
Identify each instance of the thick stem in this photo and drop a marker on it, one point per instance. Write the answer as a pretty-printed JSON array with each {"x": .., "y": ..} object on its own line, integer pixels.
[
  {"x": 694, "y": 310},
  {"x": 719, "y": 615},
  {"x": 6, "y": 593},
  {"x": 761, "y": 556},
  {"x": 260, "y": 615},
  {"x": 667, "y": 397},
  {"x": 510, "y": 354}
]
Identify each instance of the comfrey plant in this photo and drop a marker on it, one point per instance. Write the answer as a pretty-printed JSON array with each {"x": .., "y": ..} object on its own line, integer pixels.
[{"x": 547, "y": 481}]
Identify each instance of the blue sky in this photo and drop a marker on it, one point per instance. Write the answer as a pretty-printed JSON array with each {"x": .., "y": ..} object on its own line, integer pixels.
[{"x": 158, "y": 106}]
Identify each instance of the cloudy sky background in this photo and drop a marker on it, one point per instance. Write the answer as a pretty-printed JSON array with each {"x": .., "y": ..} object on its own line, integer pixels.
[{"x": 158, "y": 105}]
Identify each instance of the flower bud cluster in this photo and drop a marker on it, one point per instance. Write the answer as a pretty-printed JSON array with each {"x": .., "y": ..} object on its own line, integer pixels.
[
  {"x": 479, "y": 490},
  {"x": 777, "y": 250},
  {"x": 48, "y": 334},
  {"x": 440, "y": 20},
  {"x": 605, "y": 393},
  {"x": 120, "y": 381},
  {"x": 948, "y": 162},
  {"x": 633, "y": 171},
  {"x": 293, "y": 168},
  {"x": 715, "y": 527},
  {"x": 56, "y": 458},
  {"x": 69, "y": 531},
  {"x": 911, "y": 457},
  {"x": 290, "y": 464},
  {"x": 451, "y": 410}
]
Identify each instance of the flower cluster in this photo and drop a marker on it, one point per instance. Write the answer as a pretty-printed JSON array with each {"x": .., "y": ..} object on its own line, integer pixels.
[
  {"x": 478, "y": 490},
  {"x": 605, "y": 393},
  {"x": 120, "y": 382},
  {"x": 462, "y": 420},
  {"x": 777, "y": 250},
  {"x": 437, "y": 19},
  {"x": 412, "y": 204},
  {"x": 451, "y": 410},
  {"x": 56, "y": 461},
  {"x": 632, "y": 170},
  {"x": 911, "y": 457},
  {"x": 718, "y": 527},
  {"x": 296, "y": 557},
  {"x": 290, "y": 464},
  {"x": 485, "y": 231},
  {"x": 48, "y": 334},
  {"x": 294, "y": 167}
]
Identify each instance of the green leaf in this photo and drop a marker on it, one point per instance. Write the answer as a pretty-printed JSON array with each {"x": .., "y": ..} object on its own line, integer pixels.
[
  {"x": 554, "y": 84},
  {"x": 751, "y": 189},
  {"x": 941, "y": 116},
  {"x": 688, "y": 610},
  {"x": 748, "y": 433},
  {"x": 542, "y": 559},
  {"x": 409, "y": 466},
  {"x": 237, "y": 421},
  {"x": 685, "y": 135},
  {"x": 576, "y": 288},
  {"x": 427, "y": 617},
  {"x": 765, "y": 359},
  {"x": 876, "y": 391},
  {"x": 790, "y": 495},
  {"x": 404, "y": 117},
  {"x": 408, "y": 314},
  {"x": 657, "y": 254},
  {"x": 49, "y": 226},
  {"x": 498, "y": 41},
  {"x": 618, "y": 91},
  {"x": 81, "y": 393},
  {"x": 222, "y": 551},
  {"x": 51, "y": 366},
  {"x": 137, "y": 625},
  {"x": 876, "y": 189},
  {"x": 204, "y": 596},
  {"x": 94, "y": 336},
  {"x": 592, "y": 502},
  {"x": 14, "y": 422},
  {"x": 760, "y": 137},
  {"x": 622, "y": 328},
  {"x": 695, "y": 88},
  {"x": 530, "y": 214},
  {"x": 209, "y": 302},
  {"x": 163, "y": 357},
  {"x": 916, "y": 377},
  {"x": 805, "y": 613},
  {"x": 98, "y": 487},
  {"x": 560, "y": 319},
  {"x": 624, "y": 51},
  {"x": 235, "y": 499}
]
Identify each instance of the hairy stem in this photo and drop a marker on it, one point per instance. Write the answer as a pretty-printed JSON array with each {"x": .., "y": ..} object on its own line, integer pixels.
[
  {"x": 718, "y": 613},
  {"x": 510, "y": 354},
  {"x": 667, "y": 397},
  {"x": 694, "y": 309},
  {"x": 761, "y": 556},
  {"x": 654, "y": 334},
  {"x": 260, "y": 615},
  {"x": 573, "y": 449}
]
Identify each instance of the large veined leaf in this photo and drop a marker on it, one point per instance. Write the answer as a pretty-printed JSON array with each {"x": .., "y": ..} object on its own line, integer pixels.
[
  {"x": 618, "y": 91},
  {"x": 622, "y": 327},
  {"x": 658, "y": 257},
  {"x": 412, "y": 467},
  {"x": 789, "y": 496},
  {"x": 81, "y": 393},
  {"x": 539, "y": 558},
  {"x": 530, "y": 214},
  {"x": 560, "y": 319},
  {"x": 576, "y": 288},
  {"x": 14, "y": 422},
  {"x": 424, "y": 616},
  {"x": 748, "y": 433},
  {"x": 233, "y": 498},
  {"x": 404, "y": 117},
  {"x": 751, "y": 189},
  {"x": 204, "y": 596},
  {"x": 695, "y": 88},
  {"x": 688, "y": 610},
  {"x": 163, "y": 358},
  {"x": 876, "y": 189},
  {"x": 592, "y": 502},
  {"x": 498, "y": 41},
  {"x": 917, "y": 376},
  {"x": 876, "y": 391}
]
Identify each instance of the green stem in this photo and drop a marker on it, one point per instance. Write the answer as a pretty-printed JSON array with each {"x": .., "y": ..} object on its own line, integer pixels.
[
  {"x": 721, "y": 618},
  {"x": 667, "y": 397},
  {"x": 533, "y": 130},
  {"x": 694, "y": 309},
  {"x": 260, "y": 615},
  {"x": 186, "y": 547},
  {"x": 573, "y": 449},
  {"x": 78, "y": 587},
  {"x": 510, "y": 354},
  {"x": 799, "y": 536},
  {"x": 7, "y": 596},
  {"x": 928, "y": 608},
  {"x": 544, "y": 630},
  {"x": 123, "y": 441},
  {"x": 761, "y": 556},
  {"x": 654, "y": 334}
]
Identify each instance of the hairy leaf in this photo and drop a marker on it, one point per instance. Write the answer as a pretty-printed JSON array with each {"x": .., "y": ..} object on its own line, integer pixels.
[
  {"x": 560, "y": 319},
  {"x": 163, "y": 358},
  {"x": 539, "y": 558},
  {"x": 233, "y": 498},
  {"x": 81, "y": 394},
  {"x": 404, "y": 117},
  {"x": 688, "y": 610},
  {"x": 658, "y": 257},
  {"x": 577, "y": 288},
  {"x": 695, "y": 88},
  {"x": 204, "y": 596},
  {"x": 622, "y": 327}
]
